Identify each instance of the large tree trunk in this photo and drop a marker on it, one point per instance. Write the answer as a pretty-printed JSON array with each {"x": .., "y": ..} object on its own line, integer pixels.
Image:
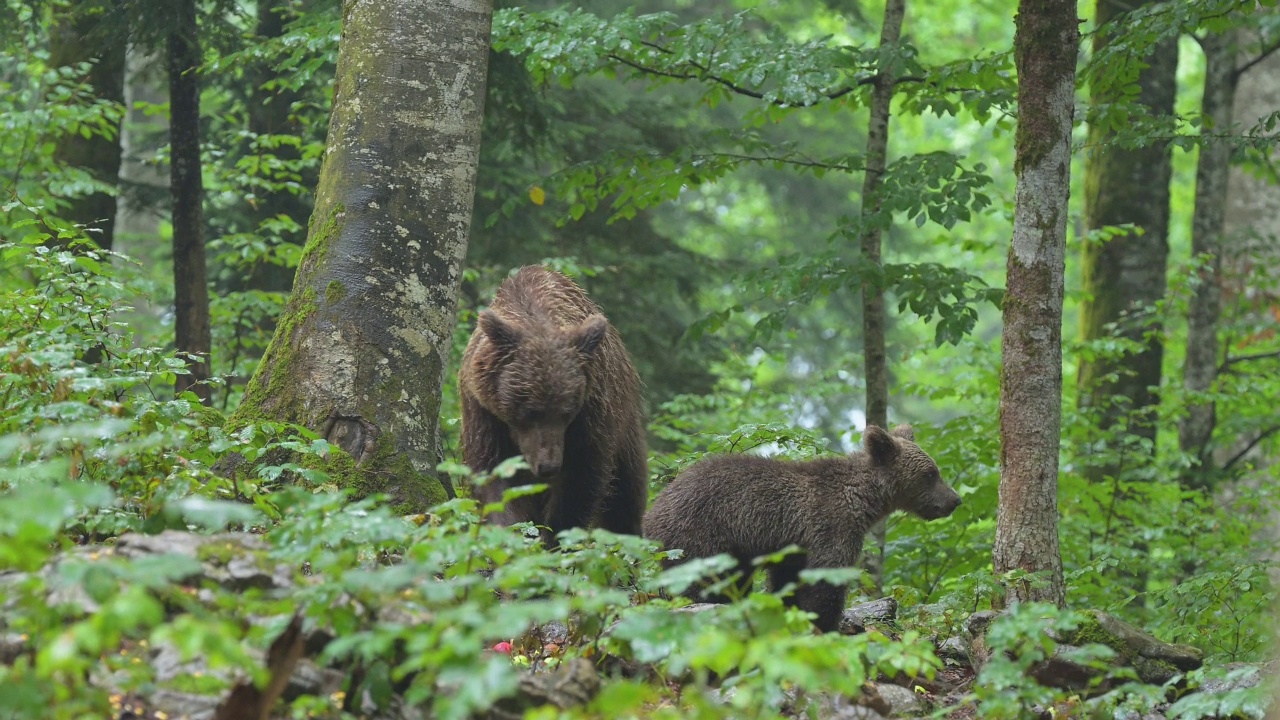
[
  {"x": 1126, "y": 274},
  {"x": 1200, "y": 368},
  {"x": 1031, "y": 378},
  {"x": 71, "y": 43},
  {"x": 361, "y": 350},
  {"x": 186, "y": 187},
  {"x": 873, "y": 319}
]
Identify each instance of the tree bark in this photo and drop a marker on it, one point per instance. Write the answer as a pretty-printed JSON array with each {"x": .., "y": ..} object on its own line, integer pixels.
[
  {"x": 1045, "y": 47},
  {"x": 98, "y": 155},
  {"x": 269, "y": 114},
  {"x": 1127, "y": 274},
  {"x": 873, "y": 318},
  {"x": 186, "y": 188},
  {"x": 1200, "y": 368},
  {"x": 361, "y": 350}
]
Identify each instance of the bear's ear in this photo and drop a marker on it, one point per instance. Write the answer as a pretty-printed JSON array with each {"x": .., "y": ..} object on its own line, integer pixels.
[
  {"x": 501, "y": 333},
  {"x": 905, "y": 432},
  {"x": 879, "y": 445},
  {"x": 587, "y": 336}
]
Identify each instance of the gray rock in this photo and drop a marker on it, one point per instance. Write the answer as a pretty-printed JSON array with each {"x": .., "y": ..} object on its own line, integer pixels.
[
  {"x": 553, "y": 632},
  {"x": 174, "y": 542},
  {"x": 978, "y": 622},
  {"x": 955, "y": 650},
  {"x": 184, "y": 705},
  {"x": 12, "y": 646},
  {"x": 573, "y": 684},
  {"x": 902, "y": 702},
  {"x": 828, "y": 706},
  {"x": 1238, "y": 676},
  {"x": 311, "y": 679},
  {"x": 842, "y": 708},
  {"x": 855, "y": 619}
]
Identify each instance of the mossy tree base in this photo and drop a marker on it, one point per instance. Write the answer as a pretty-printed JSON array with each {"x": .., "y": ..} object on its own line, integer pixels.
[{"x": 360, "y": 351}]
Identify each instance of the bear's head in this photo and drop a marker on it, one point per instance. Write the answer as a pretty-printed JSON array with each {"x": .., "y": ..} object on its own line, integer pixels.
[
  {"x": 915, "y": 484},
  {"x": 539, "y": 382}
]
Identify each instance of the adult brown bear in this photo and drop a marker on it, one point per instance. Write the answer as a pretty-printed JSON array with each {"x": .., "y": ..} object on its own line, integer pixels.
[
  {"x": 749, "y": 506},
  {"x": 546, "y": 376}
]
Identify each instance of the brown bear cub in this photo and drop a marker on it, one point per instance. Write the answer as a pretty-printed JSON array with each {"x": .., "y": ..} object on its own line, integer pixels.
[
  {"x": 546, "y": 376},
  {"x": 748, "y": 506}
]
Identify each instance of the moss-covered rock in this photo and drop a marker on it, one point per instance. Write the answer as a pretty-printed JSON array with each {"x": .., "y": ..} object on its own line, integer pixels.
[{"x": 1154, "y": 660}]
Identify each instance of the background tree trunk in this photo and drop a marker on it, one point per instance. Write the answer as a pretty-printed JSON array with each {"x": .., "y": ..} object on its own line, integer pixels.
[
  {"x": 270, "y": 114},
  {"x": 1031, "y": 379},
  {"x": 70, "y": 44},
  {"x": 873, "y": 319},
  {"x": 186, "y": 187},
  {"x": 360, "y": 352},
  {"x": 1200, "y": 368},
  {"x": 1124, "y": 275}
]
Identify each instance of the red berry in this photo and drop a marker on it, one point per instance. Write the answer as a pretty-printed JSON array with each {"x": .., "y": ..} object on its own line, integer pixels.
[{"x": 503, "y": 647}]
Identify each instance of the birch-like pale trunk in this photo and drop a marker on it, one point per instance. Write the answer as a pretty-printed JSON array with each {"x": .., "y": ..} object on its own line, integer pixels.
[
  {"x": 361, "y": 349},
  {"x": 873, "y": 319},
  {"x": 1126, "y": 274},
  {"x": 1045, "y": 46},
  {"x": 1200, "y": 368}
]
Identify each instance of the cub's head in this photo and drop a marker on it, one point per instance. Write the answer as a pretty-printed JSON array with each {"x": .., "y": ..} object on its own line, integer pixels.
[
  {"x": 916, "y": 484},
  {"x": 539, "y": 382}
]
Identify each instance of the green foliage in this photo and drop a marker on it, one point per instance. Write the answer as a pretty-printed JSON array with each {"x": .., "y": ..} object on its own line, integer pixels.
[
  {"x": 710, "y": 205},
  {"x": 1235, "y": 701},
  {"x": 1018, "y": 641}
]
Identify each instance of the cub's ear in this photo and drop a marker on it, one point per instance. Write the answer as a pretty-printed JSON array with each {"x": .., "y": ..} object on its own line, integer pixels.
[
  {"x": 905, "y": 432},
  {"x": 879, "y": 445},
  {"x": 501, "y": 333},
  {"x": 587, "y": 336}
]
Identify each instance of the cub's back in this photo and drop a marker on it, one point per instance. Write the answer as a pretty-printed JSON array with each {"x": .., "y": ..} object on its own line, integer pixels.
[{"x": 739, "y": 504}]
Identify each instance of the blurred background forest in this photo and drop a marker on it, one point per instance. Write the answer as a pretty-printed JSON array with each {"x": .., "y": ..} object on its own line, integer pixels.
[{"x": 715, "y": 212}]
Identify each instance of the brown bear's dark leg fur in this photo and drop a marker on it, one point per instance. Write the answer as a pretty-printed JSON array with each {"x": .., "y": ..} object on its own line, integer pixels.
[
  {"x": 742, "y": 585},
  {"x": 573, "y": 498},
  {"x": 629, "y": 492},
  {"x": 824, "y": 599}
]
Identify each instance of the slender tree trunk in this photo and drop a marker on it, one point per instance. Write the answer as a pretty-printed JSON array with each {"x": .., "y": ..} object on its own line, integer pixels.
[
  {"x": 269, "y": 114},
  {"x": 1045, "y": 47},
  {"x": 99, "y": 155},
  {"x": 1200, "y": 368},
  {"x": 360, "y": 352},
  {"x": 186, "y": 187},
  {"x": 1124, "y": 275},
  {"x": 873, "y": 319}
]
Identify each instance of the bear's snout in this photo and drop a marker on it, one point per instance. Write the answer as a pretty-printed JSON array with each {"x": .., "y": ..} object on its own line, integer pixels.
[
  {"x": 543, "y": 449},
  {"x": 943, "y": 502}
]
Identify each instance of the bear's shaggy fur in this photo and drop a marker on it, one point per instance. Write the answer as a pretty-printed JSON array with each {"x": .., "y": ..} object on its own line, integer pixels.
[
  {"x": 546, "y": 376},
  {"x": 748, "y": 506}
]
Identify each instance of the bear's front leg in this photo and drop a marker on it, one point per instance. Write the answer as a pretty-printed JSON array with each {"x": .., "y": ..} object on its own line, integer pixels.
[
  {"x": 573, "y": 498},
  {"x": 825, "y": 600},
  {"x": 622, "y": 510}
]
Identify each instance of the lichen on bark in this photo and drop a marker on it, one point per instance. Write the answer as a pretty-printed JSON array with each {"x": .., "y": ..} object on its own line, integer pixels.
[
  {"x": 1031, "y": 375},
  {"x": 360, "y": 352}
]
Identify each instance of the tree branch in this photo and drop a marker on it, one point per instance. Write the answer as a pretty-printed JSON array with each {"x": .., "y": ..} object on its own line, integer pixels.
[
  {"x": 1263, "y": 55},
  {"x": 1246, "y": 358},
  {"x": 1240, "y": 455},
  {"x": 704, "y": 74}
]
